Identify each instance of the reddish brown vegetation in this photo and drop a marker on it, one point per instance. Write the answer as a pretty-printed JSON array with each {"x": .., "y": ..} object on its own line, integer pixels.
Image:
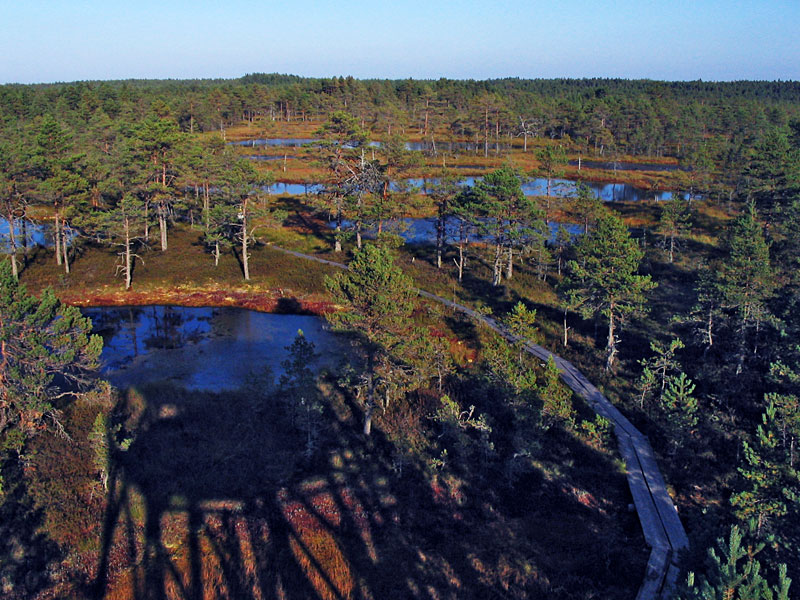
[{"x": 272, "y": 302}]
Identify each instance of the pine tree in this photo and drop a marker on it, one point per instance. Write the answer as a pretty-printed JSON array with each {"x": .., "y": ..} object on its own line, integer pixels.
[
  {"x": 242, "y": 189},
  {"x": 787, "y": 406},
  {"x": 507, "y": 216},
  {"x": 158, "y": 144},
  {"x": 674, "y": 223},
  {"x": 378, "y": 299},
  {"x": 770, "y": 489},
  {"x": 509, "y": 369},
  {"x": 122, "y": 224},
  {"x": 562, "y": 245},
  {"x": 13, "y": 202},
  {"x": 60, "y": 183},
  {"x": 342, "y": 143},
  {"x": 552, "y": 161},
  {"x": 657, "y": 369},
  {"x": 299, "y": 389},
  {"x": 735, "y": 574},
  {"x": 746, "y": 280},
  {"x": 680, "y": 407},
  {"x": 47, "y": 356},
  {"x": 773, "y": 172},
  {"x": 443, "y": 193},
  {"x": 603, "y": 278},
  {"x": 556, "y": 397},
  {"x": 521, "y": 322},
  {"x": 706, "y": 311},
  {"x": 586, "y": 206}
]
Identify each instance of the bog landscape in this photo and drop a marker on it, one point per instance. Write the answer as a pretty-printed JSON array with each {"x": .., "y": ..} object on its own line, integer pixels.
[{"x": 338, "y": 338}]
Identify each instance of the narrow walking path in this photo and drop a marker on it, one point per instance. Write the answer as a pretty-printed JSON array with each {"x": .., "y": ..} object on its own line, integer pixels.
[{"x": 661, "y": 525}]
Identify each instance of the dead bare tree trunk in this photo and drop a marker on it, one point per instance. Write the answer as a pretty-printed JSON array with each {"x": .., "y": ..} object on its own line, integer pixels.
[
  {"x": 245, "y": 261},
  {"x": 486, "y": 133},
  {"x": 162, "y": 226},
  {"x": 611, "y": 345},
  {"x": 497, "y": 266},
  {"x": 57, "y": 235},
  {"x": 65, "y": 246},
  {"x": 128, "y": 257},
  {"x": 206, "y": 205}
]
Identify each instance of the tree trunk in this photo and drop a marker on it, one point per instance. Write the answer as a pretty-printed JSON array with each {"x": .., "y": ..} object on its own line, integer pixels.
[
  {"x": 462, "y": 261},
  {"x": 147, "y": 222},
  {"x": 206, "y": 206},
  {"x": 127, "y": 255},
  {"x": 566, "y": 329},
  {"x": 497, "y": 266},
  {"x": 337, "y": 244},
  {"x": 510, "y": 264},
  {"x": 64, "y": 246},
  {"x": 162, "y": 227},
  {"x": 440, "y": 231},
  {"x": 486, "y": 134},
  {"x": 611, "y": 346},
  {"x": 216, "y": 254},
  {"x": 245, "y": 262},
  {"x": 14, "y": 267},
  {"x": 57, "y": 235},
  {"x": 13, "y": 245},
  {"x": 709, "y": 338},
  {"x": 370, "y": 405}
]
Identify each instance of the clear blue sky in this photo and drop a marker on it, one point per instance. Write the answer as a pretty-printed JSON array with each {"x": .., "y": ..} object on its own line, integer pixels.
[{"x": 45, "y": 41}]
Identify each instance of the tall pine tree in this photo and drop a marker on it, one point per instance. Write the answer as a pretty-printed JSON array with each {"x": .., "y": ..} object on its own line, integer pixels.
[{"x": 604, "y": 279}]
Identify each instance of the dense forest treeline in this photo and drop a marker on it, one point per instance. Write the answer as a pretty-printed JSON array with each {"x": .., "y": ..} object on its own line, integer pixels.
[
  {"x": 689, "y": 319},
  {"x": 637, "y": 117}
]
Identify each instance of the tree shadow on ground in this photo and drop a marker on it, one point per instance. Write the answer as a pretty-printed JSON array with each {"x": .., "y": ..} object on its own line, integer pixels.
[
  {"x": 213, "y": 497},
  {"x": 27, "y": 554}
]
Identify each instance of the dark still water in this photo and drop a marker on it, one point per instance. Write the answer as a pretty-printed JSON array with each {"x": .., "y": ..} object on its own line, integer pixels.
[
  {"x": 423, "y": 231},
  {"x": 28, "y": 233},
  {"x": 204, "y": 348}
]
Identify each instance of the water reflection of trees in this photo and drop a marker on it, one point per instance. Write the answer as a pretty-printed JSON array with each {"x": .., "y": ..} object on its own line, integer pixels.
[{"x": 166, "y": 329}]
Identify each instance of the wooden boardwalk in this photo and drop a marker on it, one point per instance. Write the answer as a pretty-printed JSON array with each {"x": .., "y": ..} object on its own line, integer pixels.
[{"x": 661, "y": 526}]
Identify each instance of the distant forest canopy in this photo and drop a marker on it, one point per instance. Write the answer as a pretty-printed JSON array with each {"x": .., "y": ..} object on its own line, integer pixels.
[{"x": 637, "y": 117}]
